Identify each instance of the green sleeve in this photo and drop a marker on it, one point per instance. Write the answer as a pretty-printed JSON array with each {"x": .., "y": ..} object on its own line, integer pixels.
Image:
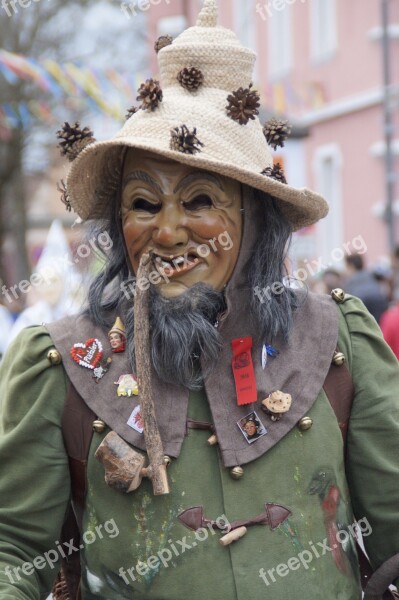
[
  {"x": 34, "y": 475},
  {"x": 373, "y": 437}
]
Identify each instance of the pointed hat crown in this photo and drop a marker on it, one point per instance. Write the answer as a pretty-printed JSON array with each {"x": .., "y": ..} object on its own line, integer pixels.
[
  {"x": 202, "y": 114},
  {"x": 214, "y": 50}
]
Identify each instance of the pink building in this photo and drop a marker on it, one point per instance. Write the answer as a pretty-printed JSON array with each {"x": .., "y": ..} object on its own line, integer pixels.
[{"x": 320, "y": 63}]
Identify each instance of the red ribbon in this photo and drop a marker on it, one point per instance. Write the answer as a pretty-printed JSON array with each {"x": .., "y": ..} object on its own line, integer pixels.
[{"x": 243, "y": 370}]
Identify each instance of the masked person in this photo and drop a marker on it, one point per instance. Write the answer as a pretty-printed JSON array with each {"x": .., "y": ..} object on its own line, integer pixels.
[{"x": 188, "y": 193}]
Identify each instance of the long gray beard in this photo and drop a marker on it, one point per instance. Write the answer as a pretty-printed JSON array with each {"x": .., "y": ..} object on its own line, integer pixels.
[{"x": 182, "y": 331}]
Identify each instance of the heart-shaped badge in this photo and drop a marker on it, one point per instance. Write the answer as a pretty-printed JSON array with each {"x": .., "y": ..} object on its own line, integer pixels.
[{"x": 87, "y": 354}]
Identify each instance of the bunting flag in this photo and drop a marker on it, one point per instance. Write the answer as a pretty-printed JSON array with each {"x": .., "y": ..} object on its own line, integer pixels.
[{"x": 76, "y": 85}]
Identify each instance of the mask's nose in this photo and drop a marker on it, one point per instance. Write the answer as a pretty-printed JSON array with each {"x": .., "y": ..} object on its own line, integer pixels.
[{"x": 170, "y": 228}]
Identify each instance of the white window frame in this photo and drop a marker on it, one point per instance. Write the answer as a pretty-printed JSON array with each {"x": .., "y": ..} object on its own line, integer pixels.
[
  {"x": 244, "y": 12},
  {"x": 330, "y": 229},
  {"x": 173, "y": 25},
  {"x": 323, "y": 41},
  {"x": 280, "y": 47}
]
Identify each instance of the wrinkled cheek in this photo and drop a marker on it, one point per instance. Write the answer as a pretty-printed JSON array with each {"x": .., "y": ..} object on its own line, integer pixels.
[
  {"x": 210, "y": 228},
  {"x": 136, "y": 237}
]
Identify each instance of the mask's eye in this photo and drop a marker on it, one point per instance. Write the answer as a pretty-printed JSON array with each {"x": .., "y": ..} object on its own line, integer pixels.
[
  {"x": 199, "y": 202},
  {"x": 139, "y": 204}
]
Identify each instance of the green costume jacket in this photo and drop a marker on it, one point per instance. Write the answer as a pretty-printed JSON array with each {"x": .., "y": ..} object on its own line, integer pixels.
[{"x": 134, "y": 545}]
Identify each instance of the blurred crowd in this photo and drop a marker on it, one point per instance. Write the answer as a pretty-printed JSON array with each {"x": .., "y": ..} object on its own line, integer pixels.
[{"x": 377, "y": 287}]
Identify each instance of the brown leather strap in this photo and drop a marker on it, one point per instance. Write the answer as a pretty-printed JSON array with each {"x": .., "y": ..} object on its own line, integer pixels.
[
  {"x": 77, "y": 430},
  {"x": 339, "y": 389},
  {"x": 191, "y": 424}
]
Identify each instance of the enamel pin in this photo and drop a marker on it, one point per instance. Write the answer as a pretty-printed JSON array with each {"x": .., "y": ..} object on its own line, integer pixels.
[
  {"x": 127, "y": 386},
  {"x": 101, "y": 369},
  {"x": 277, "y": 404},
  {"x": 87, "y": 354},
  {"x": 252, "y": 427},
  {"x": 117, "y": 336},
  {"x": 135, "y": 421},
  {"x": 268, "y": 350}
]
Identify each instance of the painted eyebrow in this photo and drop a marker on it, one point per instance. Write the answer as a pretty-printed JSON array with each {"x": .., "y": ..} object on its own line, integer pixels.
[
  {"x": 199, "y": 175},
  {"x": 142, "y": 176}
]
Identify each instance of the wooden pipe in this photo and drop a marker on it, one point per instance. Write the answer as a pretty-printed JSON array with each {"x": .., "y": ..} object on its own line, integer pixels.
[{"x": 156, "y": 470}]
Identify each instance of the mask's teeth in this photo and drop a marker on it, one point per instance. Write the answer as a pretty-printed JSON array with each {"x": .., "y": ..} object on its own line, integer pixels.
[{"x": 179, "y": 260}]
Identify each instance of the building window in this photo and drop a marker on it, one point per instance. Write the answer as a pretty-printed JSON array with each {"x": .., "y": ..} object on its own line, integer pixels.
[
  {"x": 173, "y": 26},
  {"x": 323, "y": 27},
  {"x": 280, "y": 42},
  {"x": 244, "y": 22},
  {"x": 328, "y": 168}
]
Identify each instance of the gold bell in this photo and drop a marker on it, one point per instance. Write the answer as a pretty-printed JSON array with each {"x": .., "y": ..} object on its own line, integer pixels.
[
  {"x": 338, "y": 295},
  {"x": 54, "y": 357},
  {"x": 338, "y": 359},
  {"x": 167, "y": 460},
  {"x": 98, "y": 425},
  {"x": 305, "y": 423},
  {"x": 237, "y": 472}
]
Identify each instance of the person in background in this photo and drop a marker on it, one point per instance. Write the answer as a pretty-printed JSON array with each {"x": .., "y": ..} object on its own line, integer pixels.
[
  {"x": 362, "y": 283},
  {"x": 390, "y": 325},
  {"x": 329, "y": 280},
  {"x": 6, "y": 322}
]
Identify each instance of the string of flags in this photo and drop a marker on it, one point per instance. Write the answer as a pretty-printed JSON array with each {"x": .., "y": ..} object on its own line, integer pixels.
[{"x": 79, "y": 86}]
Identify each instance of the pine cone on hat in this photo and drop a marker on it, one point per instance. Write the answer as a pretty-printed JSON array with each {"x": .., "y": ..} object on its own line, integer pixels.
[
  {"x": 61, "y": 187},
  {"x": 184, "y": 140},
  {"x": 131, "y": 111},
  {"x": 150, "y": 94},
  {"x": 190, "y": 78},
  {"x": 74, "y": 140},
  {"x": 243, "y": 105},
  {"x": 275, "y": 172},
  {"x": 276, "y": 132},
  {"x": 162, "y": 42}
]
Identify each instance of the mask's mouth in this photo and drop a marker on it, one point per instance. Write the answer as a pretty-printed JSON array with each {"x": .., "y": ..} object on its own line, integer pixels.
[{"x": 175, "y": 265}]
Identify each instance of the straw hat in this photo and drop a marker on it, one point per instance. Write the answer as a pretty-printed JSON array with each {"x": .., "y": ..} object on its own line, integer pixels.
[{"x": 196, "y": 122}]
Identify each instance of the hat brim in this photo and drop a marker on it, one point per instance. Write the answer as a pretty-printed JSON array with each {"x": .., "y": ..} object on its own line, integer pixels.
[
  {"x": 229, "y": 149},
  {"x": 302, "y": 207}
]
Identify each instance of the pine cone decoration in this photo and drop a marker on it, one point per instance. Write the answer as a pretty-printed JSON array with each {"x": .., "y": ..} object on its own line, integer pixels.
[
  {"x": 275, "y": 172},
  {"x": 184, "y": 140},
  {"x": 243, "y": 105},
  {"x": 131, "y": 111},
  {"x": 61, "y": 187},
  {"x": 74, "y": 140},
  {"x": 191, "y": 79},
  {"x": 162, "y": 42},
  {"x": 276, "y": 132},
  {"x": 150, "y": 94}
]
